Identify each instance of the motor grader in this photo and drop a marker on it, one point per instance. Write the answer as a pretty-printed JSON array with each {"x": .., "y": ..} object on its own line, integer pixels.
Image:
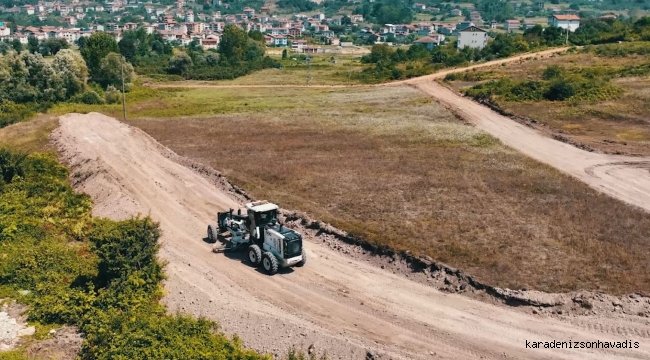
[{"x": 270, "y": 244}]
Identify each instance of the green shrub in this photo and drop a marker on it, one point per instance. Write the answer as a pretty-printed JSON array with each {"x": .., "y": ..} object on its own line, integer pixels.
[
  {"x": 88, "y": 97},
  {"x": 11, "y": 113},
  {"x": 560, "y": 89},
  {"x": 112, "y": 95},
  {"x": 100, "y": 275},
  {"x": 553, "y": 71}
]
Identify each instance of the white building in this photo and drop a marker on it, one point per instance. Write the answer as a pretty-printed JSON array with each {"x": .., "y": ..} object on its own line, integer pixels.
[
  {"x": 571, "y": 22},
  {"x": 189, "y": 16},
  {"x": 473, "y": 37}
]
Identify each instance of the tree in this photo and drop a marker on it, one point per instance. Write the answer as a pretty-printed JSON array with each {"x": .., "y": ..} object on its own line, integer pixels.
[
  {"x": 211, "y": 59},
  {"x": 112, "y": 67},
  {"x": 32, "y": 44},
  {"x": 127, "y": 49},
  {"x": 256, "y": 35},
  {"x": 17, "y": 45},
  {"x": 180, "y": 63},
  {"x": 73, "y": 71},
  {"x": 53, "y": 46},
  {"x": 233, "y": 44},
  {"x": 284, "y": 54},
  {"x": 81, "y": 42},
  {"x": 96, "y": 48}
]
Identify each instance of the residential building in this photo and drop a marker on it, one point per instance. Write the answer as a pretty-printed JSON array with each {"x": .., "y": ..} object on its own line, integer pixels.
[
  {"x": 211, "y": 41},
  {"x": 276, "y": 40},
  {"x": 419, "y": 6},
  {"x": 29, "y": 9},
  {"x": 472, "y": 37},
  {"x": 455, "y": 12},
  {"x": 431, "y": 41},
  {"x": 425, "y": 29},
  {"x": 528, "y": 25},
  {"x": 278, "y": 31},
  {"x": 298, "y": 45},
  {"x": 189, "y": 16},
  {"x": 569, "y": 22},
  {"x": 295, "y": 32},
  {"x": 250, "y": 12},
  {"x": 446, "y": 29},
  {"x": 70, "y": 20},
  {"x": 493, "y": 24},
  {"x": 356, "y": 18},
  {"x": 511, "y": 25},
  {"x": 464, "y": 24},
  {"x": 610, "y": 16}
]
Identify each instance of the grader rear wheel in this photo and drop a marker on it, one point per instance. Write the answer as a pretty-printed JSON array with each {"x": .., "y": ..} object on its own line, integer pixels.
[{"x": 213, "y": 234}]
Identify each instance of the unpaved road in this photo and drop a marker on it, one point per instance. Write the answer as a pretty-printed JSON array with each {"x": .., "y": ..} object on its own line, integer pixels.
[
  {"x": 335, "y": 302},
  {"x": 623, "y": 177}
]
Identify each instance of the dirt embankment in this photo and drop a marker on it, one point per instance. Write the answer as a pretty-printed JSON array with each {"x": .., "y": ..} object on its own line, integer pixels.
[{"x": 343, "y": 301}]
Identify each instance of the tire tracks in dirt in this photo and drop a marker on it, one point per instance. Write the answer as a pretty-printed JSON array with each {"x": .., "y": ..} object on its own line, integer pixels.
[{"x": 338, "y": 303}]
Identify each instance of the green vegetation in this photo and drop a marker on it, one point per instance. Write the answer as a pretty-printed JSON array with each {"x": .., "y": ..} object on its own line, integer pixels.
[
  {"x": 596, "y": 96},
  {"x": 556, "y": 85},
  {"x": 28, "y": 83},
  {"x": 397, "y": 64},
  {"x": 297, "y": 5},
  {"x": 99, "y": 275},
  {"x": 239, "y": 54},
  {"x": 577, "y": 84}
]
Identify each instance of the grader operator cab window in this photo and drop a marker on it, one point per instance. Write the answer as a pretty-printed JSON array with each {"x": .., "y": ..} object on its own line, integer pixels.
[{"x": 267, "y": 218}]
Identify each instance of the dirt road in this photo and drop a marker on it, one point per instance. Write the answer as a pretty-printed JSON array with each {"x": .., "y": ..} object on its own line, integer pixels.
[
  {"x": 622, "y": 177},
  {"x": 337, "y": 303}
]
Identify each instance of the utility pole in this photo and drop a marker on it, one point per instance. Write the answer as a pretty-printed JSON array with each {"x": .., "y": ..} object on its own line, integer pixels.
[
  {"x": 308, "y": 70},
  {"x": 567, "y": 36},
  {"x": 123, "y": 95},
  {"x": 350, "y": 72}
]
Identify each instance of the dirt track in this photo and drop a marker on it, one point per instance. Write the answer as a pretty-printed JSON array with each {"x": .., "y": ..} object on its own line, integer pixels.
[
  {"x": 623, "y": 177},
  {"x": 337, "y": 303}
]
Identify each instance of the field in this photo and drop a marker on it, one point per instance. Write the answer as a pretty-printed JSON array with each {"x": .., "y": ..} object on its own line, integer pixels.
[
  {"x": 296, "y": 71},
  {"x": 391, "y": 166},
  {"x": 29, "y": 136},
  {"x": 614, "y": 125}
]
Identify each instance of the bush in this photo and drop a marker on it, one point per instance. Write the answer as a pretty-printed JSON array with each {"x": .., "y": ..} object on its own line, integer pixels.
[
  {"x": 100, "y": 275},
  {"x": 561, "y": 89},
  {"x": 88, "y": 97},
  {"x": 112, "y": 95},
  {"x": 11, "y": 112},
  {"x": 553, "y": 71}
]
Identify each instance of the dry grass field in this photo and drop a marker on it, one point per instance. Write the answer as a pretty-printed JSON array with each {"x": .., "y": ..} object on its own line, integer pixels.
[
  {"x": 322, "y": 71},
  {"x": 29, "y": 136},
  {"x": 390, "y": 165},
  {"x": 620, "y": 125}
]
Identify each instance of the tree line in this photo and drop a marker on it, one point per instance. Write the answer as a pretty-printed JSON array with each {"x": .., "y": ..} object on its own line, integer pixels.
[{"x": 29, "y": 83}]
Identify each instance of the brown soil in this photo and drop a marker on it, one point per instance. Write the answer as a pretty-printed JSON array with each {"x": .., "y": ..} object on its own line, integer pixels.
[{"x": 336, "y": 302}]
